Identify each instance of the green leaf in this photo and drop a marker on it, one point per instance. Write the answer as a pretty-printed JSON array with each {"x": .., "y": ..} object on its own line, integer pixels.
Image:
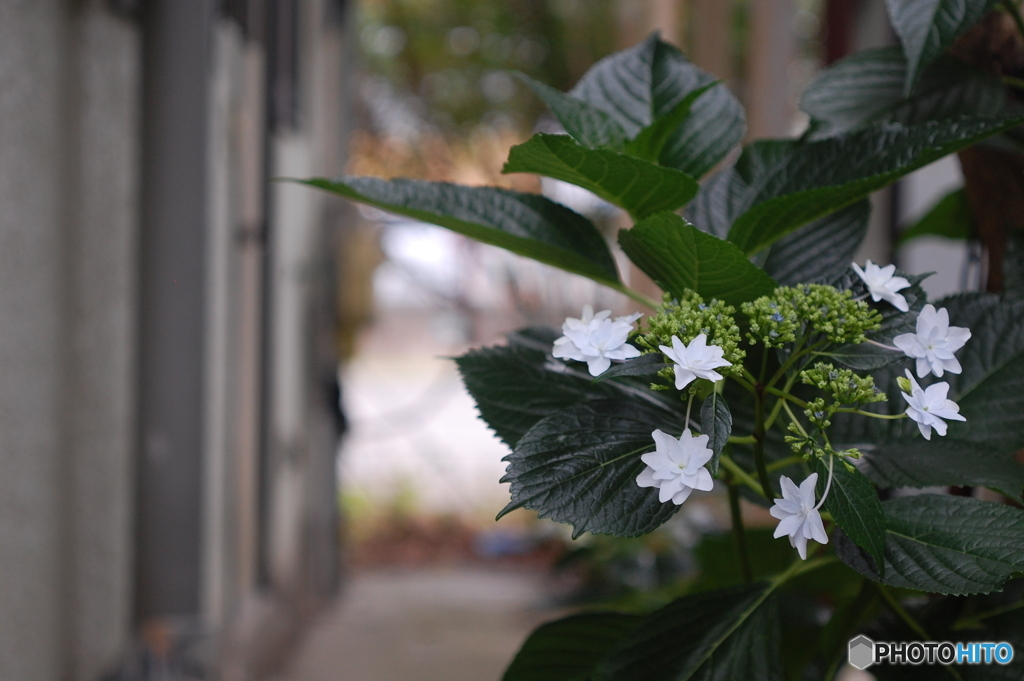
[
  {"x": 1013, "y": 266},
  {"x": 650, "y": 142},
  {"x": 569, "y": 649},
  {"x": 867, "y": 87},
  {"x": 945, "y": 544},
  {"x": 711, "y": 636},
  {"x": 580, "y": 467},
  {"x": 526, "y": 224},
  {"x": 950, "y": 218},
  {"x": 942, "y": 462},
  {"x": 719, "y": 202},
  {"x": 518, "y": 384},
  {"x": 854, "y": 504},
  {"x": 927, "y": 28},
  {"x": 633, "y": 184},
  {"x": 716, "y": 423},
  {"x": 820, "y": 251},
  {"x": 785, "y": 185},
  {"x": 589, "y": 125},
  {"x": 644, "y": 365},
  {"x": 639, "y": 85},
  {"x": 678, "y": 256}
]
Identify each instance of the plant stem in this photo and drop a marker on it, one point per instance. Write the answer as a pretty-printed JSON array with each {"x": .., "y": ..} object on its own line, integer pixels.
[
  {"x": 739, "y": 534},
  {"x": 795, "y": 420},
  {"x": 737, "y": 471},
  {"x": 975, "y": 620},
  {"x": 1011, "y": 8},
  {"x": 689, "y": 405},
  {"x": 914, "y": 625},
  {"x": 759, "y": 432},
  {"x": 888, "y": 417},
  {"x": 741, "y": 439},
  {"x": 782, "y": 463},
  {"x": 1014, "y": 82},
  {"x": 786, "y": 396}
]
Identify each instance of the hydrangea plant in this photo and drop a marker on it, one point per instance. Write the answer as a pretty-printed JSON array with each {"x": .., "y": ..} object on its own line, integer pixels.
[{"x": 774, "y": 365}]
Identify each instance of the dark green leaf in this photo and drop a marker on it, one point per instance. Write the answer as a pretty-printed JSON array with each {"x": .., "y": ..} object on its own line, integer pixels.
[
  {"x": 1013, "y": 266},
  {"x": 633, "y": 184},
  {"x": 645, "y": 365},
  {"x": 950, "y": 218},
  {"x": 580, "y": 467},
  {"x": 944, "y": 544},
  {"x": 927, "y": 28},
  {"x": 820, "y": 251},
  {"x": 716, "y": 423},
  {"x": 678, "y": 256},
  {"x": 867, "y": 87},
  {"x": 854, "y": 504},
  {"x": 719, "y": 202},
  {"x": 942, "y": 462},
  {"x": 639, "y": 85},
  {"x": 787, "y": 184},
  {"x": 589, "y": 125},
  {"x": 651, "y": 141},
  {"x": 711, "y": 636},
  {"x": 569, "y": 649},
  {"x": 516, "y": 385},
  {"x": 526, "y": 224}
]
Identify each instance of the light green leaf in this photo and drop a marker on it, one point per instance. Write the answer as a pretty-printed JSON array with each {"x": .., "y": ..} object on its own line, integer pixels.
[
  {"x": 526, "y": 224},
  {"x": 854, "y": 504},
  {"x": 711, "y": 636},
  {"x": 518, "y": 384},
  {"x": 569, "y": 649},
  {"x": 867, "y": 87},
  {"x": 716, "y": 423},
  {"x": 633, "y": 184},
  {"x": 927, "y": 28},
  {"x": 787, "y": 184},
  {"x": 639, "y": 85},
  {"x": 580, "y": 467},
  {"x": 945, "y": 544},
  {"x": 589, "y": 125},
  {"x": 678, "y": 256},
  {"x": 821, "y": 250},
  {"x": 950, "y": 218}
]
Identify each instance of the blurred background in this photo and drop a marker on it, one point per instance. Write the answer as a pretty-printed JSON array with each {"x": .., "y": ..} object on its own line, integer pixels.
[{"x": 232, "y": 442}]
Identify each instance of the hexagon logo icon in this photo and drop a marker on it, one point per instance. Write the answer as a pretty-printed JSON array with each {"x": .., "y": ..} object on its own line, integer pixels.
[{"x": 862, "y": 652}]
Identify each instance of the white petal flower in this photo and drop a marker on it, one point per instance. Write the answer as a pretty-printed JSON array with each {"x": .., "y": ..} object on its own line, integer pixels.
[
  {"x": 676, "y": 467},
  {"x": 930, "y": 406},
  {"x": 696, "y": 360},
  {"x": 882, "y": 285},
  {"x": 798, "y": 514},
  {"x": 934, "y": 343},
  {"x": 596, "y": 339}
]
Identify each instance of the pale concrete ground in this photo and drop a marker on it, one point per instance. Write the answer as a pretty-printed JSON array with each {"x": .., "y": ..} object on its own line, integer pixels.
[{"x": 439, "y": 625}]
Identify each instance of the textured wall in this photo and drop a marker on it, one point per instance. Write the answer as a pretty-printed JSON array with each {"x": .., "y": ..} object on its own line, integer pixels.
[{"x": 68, "y": 102}]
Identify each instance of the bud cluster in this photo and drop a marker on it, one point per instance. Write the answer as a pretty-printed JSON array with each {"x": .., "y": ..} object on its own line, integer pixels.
[
  {"x": 689, "y": 317},
  {"x": 791, "y": 310}
]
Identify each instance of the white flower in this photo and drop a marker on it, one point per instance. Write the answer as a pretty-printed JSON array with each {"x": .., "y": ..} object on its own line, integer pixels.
[
  {"x": 934, "y": 343},
  {"x": 676, "y": 467},
  {"x": 882, "y": 285},
  {"x": 929, "y": 406},
  {"x": 697, "y": 360},
  {"x": 798, "y": 514},
  {"x": 596, "y": 340}
]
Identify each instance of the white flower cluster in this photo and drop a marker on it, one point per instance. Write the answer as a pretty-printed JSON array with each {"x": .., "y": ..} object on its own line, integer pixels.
[
  {"x": 932, "y": 345},
  {"x": 596, "y": 339},
  {"x": 676, "y": 467}
]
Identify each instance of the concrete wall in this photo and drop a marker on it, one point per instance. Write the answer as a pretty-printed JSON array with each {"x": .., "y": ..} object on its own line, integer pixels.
[{"x": 69, "y": 84}]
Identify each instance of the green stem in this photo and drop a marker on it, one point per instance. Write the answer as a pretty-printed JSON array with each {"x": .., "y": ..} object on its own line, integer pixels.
[
  {"x": 778, "y": 404},
  {"x": 1014, "y": 82},
  {"x": 888, "y": 417},
  {"x": 786, "y": 396},
  {"x": 689, "y": 405},
  {"x": 759, "y": 433},
  {"x": 795, "y": 420},
  {"x": 1015, "y": 13},
  {"x": 914, "y": 625},
  {"x": 741, "y": 439},
  {"x": 975, "y": 620},
  {"x": 635, "y": 295},
  {"x": 782, "y": 463},
  {"x": 737, "y": 472},
  {"x": 739, "y": 535}
]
